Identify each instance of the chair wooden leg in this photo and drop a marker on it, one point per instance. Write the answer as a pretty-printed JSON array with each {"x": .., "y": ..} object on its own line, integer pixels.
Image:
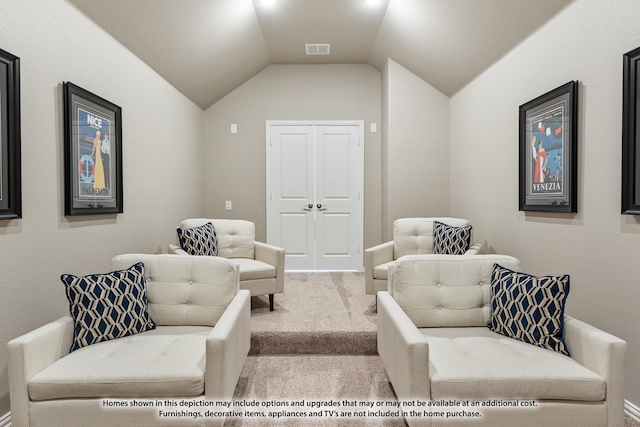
[{"x": 270, "y": 302}]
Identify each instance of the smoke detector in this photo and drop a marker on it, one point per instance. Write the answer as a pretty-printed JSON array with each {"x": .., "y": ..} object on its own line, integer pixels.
[{"x": 318, "y": 49}]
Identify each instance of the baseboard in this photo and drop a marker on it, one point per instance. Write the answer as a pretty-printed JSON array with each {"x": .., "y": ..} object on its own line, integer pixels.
[
  {"x": 632, "y": 410},
  {"x": 5, "y": 420}
]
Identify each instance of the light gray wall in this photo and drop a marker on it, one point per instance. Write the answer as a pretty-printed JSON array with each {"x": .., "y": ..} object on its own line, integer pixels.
[
  {"x": 235, "y": 164},
  {"x": 415, "y": 147},
  {"x": 598, "y": 246},
  {"x": 162, "y": 150}
]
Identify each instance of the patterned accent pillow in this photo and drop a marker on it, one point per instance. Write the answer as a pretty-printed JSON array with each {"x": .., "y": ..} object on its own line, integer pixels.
[
  {"x": 107, "y": 306},
  {"x": 201, "y": 240},
  {"x": 450, "y": 240},
  {"x": 529, "y": 308}
]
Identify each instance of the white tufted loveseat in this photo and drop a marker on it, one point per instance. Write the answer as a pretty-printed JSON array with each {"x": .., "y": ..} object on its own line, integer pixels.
[
  {"x": 411, "y": 236},
  {"x": 435, "y": 345},
  {"x": 194, "y": 355},
  {"x": 261, "y": 265}
]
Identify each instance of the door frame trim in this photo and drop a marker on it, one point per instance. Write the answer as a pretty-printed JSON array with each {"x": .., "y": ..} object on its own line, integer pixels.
[{"x": 360, "y": 124}]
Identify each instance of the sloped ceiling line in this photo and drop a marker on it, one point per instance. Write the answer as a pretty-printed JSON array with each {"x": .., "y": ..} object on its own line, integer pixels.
[{"x": 207, "y": 48}]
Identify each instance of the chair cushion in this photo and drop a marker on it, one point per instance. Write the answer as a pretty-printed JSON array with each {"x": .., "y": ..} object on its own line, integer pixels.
[
  {"x": 450, "y": 240},
  {"x": 107, "y": 306},
  {"x": 413, "y": 236},
  {"x": 186, "y": 290},
  {"x": 236, "y": 237},
  {"x": 251, "y": 269},
  {"x": 476, "y": 363},
  {"x": 529, "y": 308},
  {"x": 382, "y": 271},
  {"x": 166, "y": 362},
  {"x": 446, "y": 290},
  {"x": 201, "y": 240}
]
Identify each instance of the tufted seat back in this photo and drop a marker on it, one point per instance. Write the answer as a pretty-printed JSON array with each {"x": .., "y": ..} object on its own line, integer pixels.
[
  {"x": 236, "y": 237},
  {"x": 413, "y": 236},
  {"x": 446, "y": 290},
  {"x": 184, "y": 290}
]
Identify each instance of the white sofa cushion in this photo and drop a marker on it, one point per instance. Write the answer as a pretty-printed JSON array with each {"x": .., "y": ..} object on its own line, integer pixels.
[
  {"x": 382, "y": 271},
  {"x": 236, "y": 238},
  {"x": 251, "y": 269},
  {"x": 476, "y": 363},
  {"x": 185, "y": 290},
  {"x": 446, "y": 290},
  {"x": 415, "y": 235},
  {"x": 165, "y": 362}
]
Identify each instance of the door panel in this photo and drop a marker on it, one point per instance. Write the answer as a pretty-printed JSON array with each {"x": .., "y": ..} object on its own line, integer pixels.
[
  {"x": 337, "y": 186},
  {"x": 292, "y": 191}
]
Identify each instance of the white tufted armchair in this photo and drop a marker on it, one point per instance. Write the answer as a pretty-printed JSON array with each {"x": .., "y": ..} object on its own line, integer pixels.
[{"x": 411, "y": 236}]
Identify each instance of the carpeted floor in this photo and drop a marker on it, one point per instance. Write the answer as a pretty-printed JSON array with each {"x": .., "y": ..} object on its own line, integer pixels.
[{"x": 318, "y": 346}]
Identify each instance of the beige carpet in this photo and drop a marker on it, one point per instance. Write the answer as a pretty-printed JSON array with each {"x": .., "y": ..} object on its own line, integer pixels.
[
  {"x": 319, "y": 313},
  {"x": 318, "y": 345}
]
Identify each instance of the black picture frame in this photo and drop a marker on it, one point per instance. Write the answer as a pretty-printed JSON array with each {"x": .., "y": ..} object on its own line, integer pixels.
[
  {"x": 630, "y": 134},
  {"x": 548, "y": 179},
  {"x": 10, "y": 167},
  {"x": 92, "y": 152}
]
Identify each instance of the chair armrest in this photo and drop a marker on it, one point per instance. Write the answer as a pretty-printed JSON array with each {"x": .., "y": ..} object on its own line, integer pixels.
[
  {"x": 403, "y": 349},
  {"x": 474, "y": 249},
  {"x": 176, "y": 250},
  {"x": 375, "y": 256},
  {"x": 272, "y": 255},
  {"x": 227, "y": 348},
  {"x": 603, "y": 354},
  {"x": 30, "y": 354}
]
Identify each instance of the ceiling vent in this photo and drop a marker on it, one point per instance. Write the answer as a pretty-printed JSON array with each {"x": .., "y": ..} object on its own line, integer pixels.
[{"x": 318, "y": 49}]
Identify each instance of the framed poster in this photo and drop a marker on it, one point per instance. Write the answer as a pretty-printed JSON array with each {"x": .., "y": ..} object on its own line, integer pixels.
[
  {"x": 10, "y": 170},
  {"x": 93, "y": 153},
  {"x": 548, "y": 151},
  {"x": 630, "y": 134}
]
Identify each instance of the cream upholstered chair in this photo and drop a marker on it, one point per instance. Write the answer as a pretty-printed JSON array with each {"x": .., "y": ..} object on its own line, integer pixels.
[
  {"x": 435, "y": 345},
  {"x": 411, "y": 236},
  {"x": 261, "y": 265},
  {"x": 195, "y": 354}
]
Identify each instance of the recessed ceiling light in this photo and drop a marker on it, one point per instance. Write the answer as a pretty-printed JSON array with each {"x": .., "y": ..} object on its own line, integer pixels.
[
  {"x": 268, "y": 2},
  {"x": 372, "y": 1}
]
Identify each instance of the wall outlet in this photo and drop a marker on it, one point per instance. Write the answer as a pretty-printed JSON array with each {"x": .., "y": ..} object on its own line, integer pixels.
[{"x": 227, "y": 205}]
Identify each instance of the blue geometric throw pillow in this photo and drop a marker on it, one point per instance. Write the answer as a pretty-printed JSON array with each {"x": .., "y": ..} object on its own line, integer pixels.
[
  {"x": 201, "y": 240},
  {"x": 107, "y": 306},
  {"x": 450, "y": 240},
  {"x": 529, "y": 308}
]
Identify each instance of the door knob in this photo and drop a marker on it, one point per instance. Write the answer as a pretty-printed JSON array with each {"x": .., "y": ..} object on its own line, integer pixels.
[
  {"x": 307, "y": 207},
  {"x": 310, "y": 205},
  {"x": 319, "y": 205}
]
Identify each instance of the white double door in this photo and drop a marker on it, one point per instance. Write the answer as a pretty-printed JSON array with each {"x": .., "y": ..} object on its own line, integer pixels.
[{"x": 313, "y": 195}]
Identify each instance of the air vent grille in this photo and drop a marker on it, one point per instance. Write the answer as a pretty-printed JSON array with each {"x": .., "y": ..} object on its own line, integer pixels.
[{"x": 318, "y": 49}]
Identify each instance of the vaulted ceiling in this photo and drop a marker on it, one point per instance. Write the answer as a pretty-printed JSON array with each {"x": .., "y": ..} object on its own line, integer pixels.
[{"x": 207, "y": 48}]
